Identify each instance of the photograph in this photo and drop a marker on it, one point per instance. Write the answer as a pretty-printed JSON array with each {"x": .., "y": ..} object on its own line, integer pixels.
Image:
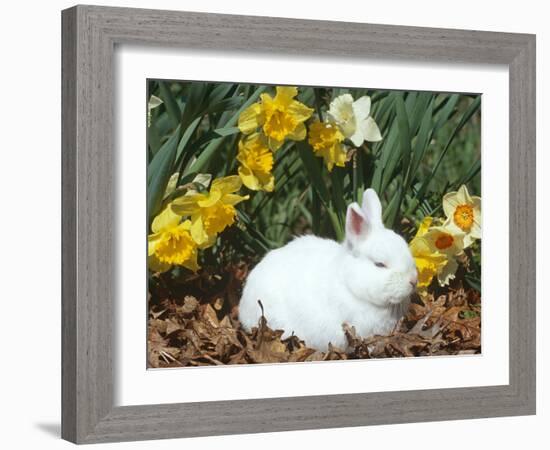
[{"x": 300, "y": 224}]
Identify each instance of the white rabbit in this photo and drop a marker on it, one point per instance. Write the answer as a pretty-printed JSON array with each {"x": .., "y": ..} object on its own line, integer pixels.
[{"x": 312, "y": 286}]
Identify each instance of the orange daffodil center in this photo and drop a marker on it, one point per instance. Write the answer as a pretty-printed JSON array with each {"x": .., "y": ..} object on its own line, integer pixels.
[
  {"x": 444, "y": 241},
  {"x": 463, "y": 217},
  {"x": 463, "y": 213}
]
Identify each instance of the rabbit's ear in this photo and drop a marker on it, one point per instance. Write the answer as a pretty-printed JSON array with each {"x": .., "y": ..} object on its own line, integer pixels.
[
  {"x": 357, "y": 225},
  {"x": 372, "y": 208}
]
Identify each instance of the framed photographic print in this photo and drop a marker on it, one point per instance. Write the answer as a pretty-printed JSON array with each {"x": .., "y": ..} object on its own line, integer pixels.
[{"x": 301, "y": 218}]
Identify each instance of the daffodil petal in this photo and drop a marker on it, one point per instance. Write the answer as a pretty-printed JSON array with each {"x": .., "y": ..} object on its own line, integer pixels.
[
  {"x": 227, "y": 185},
  {"x": 477, "y": 205},
  {"x": 370, "y": 130},
  {"x": 210, "y": 199},
  {"x": 233, "y": 199},
  {"x": 250, "y": 118},
  {"x": 197, "y": 231},
  {"x": 299, "y": 111},
  {"x": 172, "y": 184},
  {"x": 475, "y": 232},
  {"x": 152, "y": 241},
  {"x": 299, "y": 133},
  {"x": 285, "y": 94},
  {"x": 210, "y": 241},
  {"x": 361, "y": 107},
  {"x": 274, "y": 144},
  {"x": 166, "y": 219},
  {"x": 424, "y": 225},
  {"x": 248, "y": 178},
  {"x": 447, "y": 273},
  {"x": 463, "y": 196},
  {"x": 155, "y": 265},
  {"x": 357, "y": 138},
  {"x": 450, "y": 202},
  {"x": 191, "y": 263},
  {"x": 187, "y": 204},
  {"x": 468, "y": 240}
]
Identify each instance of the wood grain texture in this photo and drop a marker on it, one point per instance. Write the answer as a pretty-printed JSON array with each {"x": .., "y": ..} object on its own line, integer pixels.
[{"x": 89, "y": 36}]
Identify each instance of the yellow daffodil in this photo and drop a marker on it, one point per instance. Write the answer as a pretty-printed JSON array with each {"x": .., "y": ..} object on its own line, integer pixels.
[
  {"x": 353, "y": 119},
  {"x": 280, "y": 117},
  {"x": 256, "y": 163},
  {"x": 210, "y": 212},
  {"x": 446, "y": 241},
  {"x": 171, "y": 244},
  {"x": 326, "y": 140},
  {"x": 429, "y": 262},
  {"x": 463, "y": 214}
]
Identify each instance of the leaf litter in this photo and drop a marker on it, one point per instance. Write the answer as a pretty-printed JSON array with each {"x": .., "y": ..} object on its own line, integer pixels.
[{"x": 193, "y": 321}]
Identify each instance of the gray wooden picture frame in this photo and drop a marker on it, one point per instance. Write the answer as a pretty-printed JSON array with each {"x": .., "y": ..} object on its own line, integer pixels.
[{"x": 90, "y": 34}]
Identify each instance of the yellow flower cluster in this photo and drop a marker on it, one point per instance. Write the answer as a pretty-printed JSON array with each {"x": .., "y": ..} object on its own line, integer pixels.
[
  {"x": 435, "y": 248},
  {"x": 265, "y": 126},
  {"x": 191, "y": 222}
]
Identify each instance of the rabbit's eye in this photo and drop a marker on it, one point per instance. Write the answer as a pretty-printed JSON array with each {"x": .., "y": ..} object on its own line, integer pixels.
[{"x": 380, "y": 264}]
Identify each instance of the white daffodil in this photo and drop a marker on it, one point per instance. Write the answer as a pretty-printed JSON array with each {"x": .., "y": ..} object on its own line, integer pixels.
[
  {"x": 463, "y": 214},
  {"x": 353, "y": 119}
]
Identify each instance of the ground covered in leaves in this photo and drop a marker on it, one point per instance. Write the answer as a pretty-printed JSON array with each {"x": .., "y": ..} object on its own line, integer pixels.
[{"x": 193, "y": 321}]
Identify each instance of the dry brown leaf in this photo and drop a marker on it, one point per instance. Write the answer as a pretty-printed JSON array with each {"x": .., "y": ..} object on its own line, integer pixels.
[{"x": 158, "y": 350}]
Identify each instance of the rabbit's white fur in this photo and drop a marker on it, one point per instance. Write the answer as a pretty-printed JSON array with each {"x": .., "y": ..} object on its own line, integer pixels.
[{"x": 312, "y": 286}]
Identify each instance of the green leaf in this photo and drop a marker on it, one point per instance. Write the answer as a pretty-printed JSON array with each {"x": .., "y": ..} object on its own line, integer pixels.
[
  {"x": 418, "y": 111},
  {"x": 153, "y": 139},
  {"x": 265, "y": 244},
  {"x": 160, "y": 176},
  {"x": 226, "y": 104},
  {"x": 221, "y": 91},
  {"x": 392, "y": 209},
  {"x": 472, "y": 109},
  {"x": 338, "y": 200},
  {"x": 446, "y": 111},
  {"x": 313, "y": 169},
  {"x": 404, "y": 132},
  {"x": 154, "y": 165},
  {"x": 422, "y": 141},
  {"x": 187, "y": 135},
  {"x": 227, "y": 131},
  {"x": 474, "y": 283},
  {"x": 196, "y": 97},
  {"x": 170, "y": 102},
  {"x": 312, "y": 166}
]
